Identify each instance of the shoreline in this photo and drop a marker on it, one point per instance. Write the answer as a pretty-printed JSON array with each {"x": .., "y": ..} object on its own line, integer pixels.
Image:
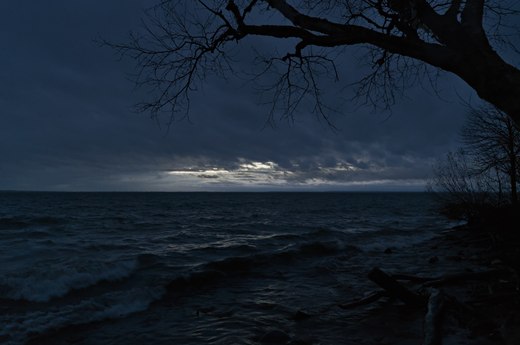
[
  {"x": 482, "y": 311},
  {"x": 389, "y": 321}
]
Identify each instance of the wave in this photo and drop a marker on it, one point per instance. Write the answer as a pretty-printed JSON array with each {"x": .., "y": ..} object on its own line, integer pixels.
[
  {"x": 301, "y": 252},
  {"x": 218, "y": 271},
  {"x": 218, "y": 247},
  {"x": 47, "y": 220},
  {"x": 13, "y": 223},
  {"x": 396, "y": 239},
  {"x": 104, "y": 247},
  {"x": 330, "y": 233},
  {"x": 246, "y": 263},
  {"x": 315, "y": 234},
  {"x": 148, "y": 259},
  {"x": 16, "y": 223},
  {"x": 42, "y": 285},
  {"x": 114, "y": 305},
  {"x": 37, "y": 234}
]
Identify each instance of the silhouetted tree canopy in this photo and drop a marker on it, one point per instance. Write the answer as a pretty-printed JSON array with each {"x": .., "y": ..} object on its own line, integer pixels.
[
  {"x": 485, "y": 172},
  {"x": 461, "y": 192},
  {"x": 185, "y": 42},
  {"x": 493, "y": 141}
]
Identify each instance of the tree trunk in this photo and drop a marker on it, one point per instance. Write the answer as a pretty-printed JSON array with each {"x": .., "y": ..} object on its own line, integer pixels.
[
  {"x": 512, "y": 162},
  {"x": 514, "y": 194},
  {"x": 493, "y": 79}
]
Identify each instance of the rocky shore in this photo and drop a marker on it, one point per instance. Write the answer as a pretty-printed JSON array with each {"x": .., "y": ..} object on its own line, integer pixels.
[{"x": 475, "y": 270}]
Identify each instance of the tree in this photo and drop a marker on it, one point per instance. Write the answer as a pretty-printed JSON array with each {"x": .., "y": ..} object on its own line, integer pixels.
[
  {"x": 484, "y": 174},
  {"x": 493, "y": 141},
  {"x": 186, "y": 41},
  {"x": 461, "y": 192}
]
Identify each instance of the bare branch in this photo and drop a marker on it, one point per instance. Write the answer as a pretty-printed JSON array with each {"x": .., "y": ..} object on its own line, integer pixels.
[{"x": 184, "y": 42}]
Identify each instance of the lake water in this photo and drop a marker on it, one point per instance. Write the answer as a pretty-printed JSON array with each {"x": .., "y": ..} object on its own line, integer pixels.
[{"x": 196, "y": 268}]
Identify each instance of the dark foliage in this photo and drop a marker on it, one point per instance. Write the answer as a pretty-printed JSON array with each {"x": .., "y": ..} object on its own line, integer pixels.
[{"x": 481, "y": 179}]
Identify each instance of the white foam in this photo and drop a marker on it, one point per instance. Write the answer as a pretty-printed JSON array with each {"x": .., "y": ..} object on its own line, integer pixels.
[
  {"x": 17, "y": 328},
  {"x": 41, "y": 285}
]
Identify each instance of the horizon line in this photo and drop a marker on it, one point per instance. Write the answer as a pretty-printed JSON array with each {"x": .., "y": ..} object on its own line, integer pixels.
[{"x": 214, "y": 191}]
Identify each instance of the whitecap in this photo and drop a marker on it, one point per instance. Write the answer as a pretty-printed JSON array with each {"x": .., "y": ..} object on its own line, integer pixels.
[
  {"x": 16, "y": 329},
  {"x": 42, "y": 285}
]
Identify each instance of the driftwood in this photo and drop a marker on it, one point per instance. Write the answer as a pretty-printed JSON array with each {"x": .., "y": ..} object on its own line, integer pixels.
[
  {"x": 435, "y": 303},
  {"x": 451, "y": 278},
  {"x": 411, "y": 278},
  {"x": 370, "y": 298},
  {"x": 394, "y": 288},
  {"x": 432, "y": 320}
]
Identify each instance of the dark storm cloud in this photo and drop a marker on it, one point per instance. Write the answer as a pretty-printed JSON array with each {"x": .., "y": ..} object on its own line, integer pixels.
[{"x": 66, "y": 123}]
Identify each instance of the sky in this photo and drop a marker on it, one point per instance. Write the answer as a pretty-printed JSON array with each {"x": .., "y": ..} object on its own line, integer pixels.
[{"x": 68, "y": 121}]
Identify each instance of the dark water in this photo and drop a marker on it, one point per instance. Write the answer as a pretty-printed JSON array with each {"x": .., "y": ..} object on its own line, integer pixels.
[{"x": 194, "y": 268}]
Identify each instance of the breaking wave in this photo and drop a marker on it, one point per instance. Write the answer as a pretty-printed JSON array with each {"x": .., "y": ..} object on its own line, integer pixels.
[
  {"x": 44, "y": 285},
  {"x": 114, "y": 305},
  {"x": 233, "y": 267},
  {"x": 15, "y": 223}
]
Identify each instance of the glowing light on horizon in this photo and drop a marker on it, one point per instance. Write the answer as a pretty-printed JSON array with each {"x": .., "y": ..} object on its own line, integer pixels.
[{"x": 264, "y": 174}]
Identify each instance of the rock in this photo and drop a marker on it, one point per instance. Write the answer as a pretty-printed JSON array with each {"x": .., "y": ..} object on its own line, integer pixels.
[
  {"x": 496, "y": 262},
  {"x": 275, "y": 337},
  {"x": 388, "y": 251},
  {"x": 205, "y": 310},
  {"x": 433, "y": 259},
  {"x": 300, "y": 315}
]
